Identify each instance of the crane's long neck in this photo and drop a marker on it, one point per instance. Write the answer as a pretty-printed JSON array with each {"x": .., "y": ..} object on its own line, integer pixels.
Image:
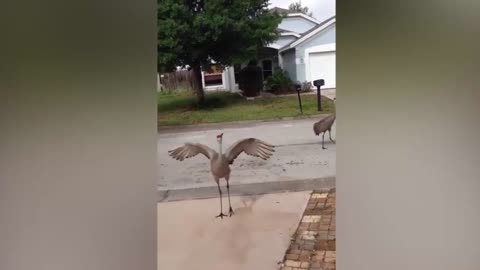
[{"x": 220, "y": 147}]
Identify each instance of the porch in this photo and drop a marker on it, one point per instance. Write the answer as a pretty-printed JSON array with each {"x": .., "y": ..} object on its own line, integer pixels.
[{"x": 217, "y": 79}]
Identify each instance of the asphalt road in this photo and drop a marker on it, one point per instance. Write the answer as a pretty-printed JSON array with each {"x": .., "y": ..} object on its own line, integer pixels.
[{"x": 298, "y": 155}]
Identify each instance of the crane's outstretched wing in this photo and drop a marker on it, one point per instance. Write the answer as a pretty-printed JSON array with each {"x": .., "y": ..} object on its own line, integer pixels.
[
  {"x": 190, "y": 150},
  {"x": 251, "y": 146}
]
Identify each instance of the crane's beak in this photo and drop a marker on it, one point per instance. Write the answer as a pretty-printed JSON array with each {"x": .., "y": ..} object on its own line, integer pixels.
[{"x": 219, "y": 136}]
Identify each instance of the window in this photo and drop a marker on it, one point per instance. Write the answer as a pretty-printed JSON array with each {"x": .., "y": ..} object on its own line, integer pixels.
[
  {"x": 267, "y": 68},
  {"x": 213, "y": 77}
]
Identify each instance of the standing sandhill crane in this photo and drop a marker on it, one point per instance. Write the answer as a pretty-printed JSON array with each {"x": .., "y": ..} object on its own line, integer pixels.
[
  {"x": 325, "y": 125},
  {"x": 220, "y": 162}
]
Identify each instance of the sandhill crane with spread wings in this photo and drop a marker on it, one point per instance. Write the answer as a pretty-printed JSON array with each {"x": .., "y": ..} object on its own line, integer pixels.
[
  {"x": 325, "y": 125},
  {"x": 220, "y": 162}
]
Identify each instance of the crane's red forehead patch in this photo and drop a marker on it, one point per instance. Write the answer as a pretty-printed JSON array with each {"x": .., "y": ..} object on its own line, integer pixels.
[{"x": 220, "y": 135}]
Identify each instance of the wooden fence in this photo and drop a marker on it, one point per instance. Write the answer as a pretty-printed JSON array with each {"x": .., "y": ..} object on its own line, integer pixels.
[{"x": 181, "y": 80}]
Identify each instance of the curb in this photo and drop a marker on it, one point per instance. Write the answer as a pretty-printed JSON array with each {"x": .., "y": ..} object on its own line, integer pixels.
[
  {"x": 324, "y": 183},
  {"x": 197, "y": 127}
]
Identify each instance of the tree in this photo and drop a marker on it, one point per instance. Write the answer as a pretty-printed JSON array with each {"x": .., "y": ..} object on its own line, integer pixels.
[
  {"x": 297, "y": 7},
  {"x": 196, "y": 32}
]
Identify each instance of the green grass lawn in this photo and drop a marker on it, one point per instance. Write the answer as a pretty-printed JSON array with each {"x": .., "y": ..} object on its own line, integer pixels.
[{"x": 181, "y": 109}]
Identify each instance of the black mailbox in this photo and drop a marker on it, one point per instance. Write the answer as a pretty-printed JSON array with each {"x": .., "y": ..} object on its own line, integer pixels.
[
  {"x": 318, "y": 83},
  {"x": 298, "y": 87}
]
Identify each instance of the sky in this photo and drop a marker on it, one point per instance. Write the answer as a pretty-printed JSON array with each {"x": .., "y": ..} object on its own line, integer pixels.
[{"x": 322, "y": 9}]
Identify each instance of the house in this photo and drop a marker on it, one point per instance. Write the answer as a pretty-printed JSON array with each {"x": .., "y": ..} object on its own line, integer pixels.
[{"x": 305, "y": 49}]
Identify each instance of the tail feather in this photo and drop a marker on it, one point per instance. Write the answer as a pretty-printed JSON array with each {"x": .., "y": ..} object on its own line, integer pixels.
[{"x": 315, "y": 129}]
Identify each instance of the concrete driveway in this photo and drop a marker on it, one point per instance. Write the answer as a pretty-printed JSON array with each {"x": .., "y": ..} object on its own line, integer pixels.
[
  {"x": 330, "y": 93},
  {"x": 255, "y": 237}
]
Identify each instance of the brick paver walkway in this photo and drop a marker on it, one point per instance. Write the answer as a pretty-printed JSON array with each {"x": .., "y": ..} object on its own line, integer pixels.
[{"x": 313, "y": 244}]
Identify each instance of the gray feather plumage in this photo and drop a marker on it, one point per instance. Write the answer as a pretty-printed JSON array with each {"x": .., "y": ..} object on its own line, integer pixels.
[{"x": 324, "y": 125}]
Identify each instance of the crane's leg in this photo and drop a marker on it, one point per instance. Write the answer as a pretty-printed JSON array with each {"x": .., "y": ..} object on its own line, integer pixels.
[
  {"x": 330, "y": 135},
  {"x": 221, "y": 215},
  {"x": 323, "y": 140},
  {"x": 230, "y": 211}
]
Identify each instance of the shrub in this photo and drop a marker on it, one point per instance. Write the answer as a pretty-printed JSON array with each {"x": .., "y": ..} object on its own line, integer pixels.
[
  {"x": 279, "y": 83},
  {"x": 306, "y": 86},
  {"x": 250, "y": 80}
]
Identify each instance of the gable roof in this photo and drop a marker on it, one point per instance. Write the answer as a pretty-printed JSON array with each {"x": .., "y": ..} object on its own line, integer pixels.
[
  {"x": 291, "y": 13},
  {"x": 284, "y": 32},
  {"x": 280, "y": 11},
  {"x": 310, "y": 33},
  {"x": 301, "y": 15}
]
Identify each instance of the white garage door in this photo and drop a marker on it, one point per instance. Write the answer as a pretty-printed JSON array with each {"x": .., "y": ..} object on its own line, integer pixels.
[{"x": 322, "y": 66}]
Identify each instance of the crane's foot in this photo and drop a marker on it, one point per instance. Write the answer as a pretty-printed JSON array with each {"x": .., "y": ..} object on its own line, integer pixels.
[
  {"x": 324, "y": 148},
  {"x": 221, "y": 215},
  {"x": 332, "y": 141},
  {"x": 231, "y": 212}
]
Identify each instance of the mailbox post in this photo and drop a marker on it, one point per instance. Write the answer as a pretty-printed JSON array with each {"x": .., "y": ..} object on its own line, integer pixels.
[
  {"x": 298, "y": 88},
  {"x": 318, "y": 84}
]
